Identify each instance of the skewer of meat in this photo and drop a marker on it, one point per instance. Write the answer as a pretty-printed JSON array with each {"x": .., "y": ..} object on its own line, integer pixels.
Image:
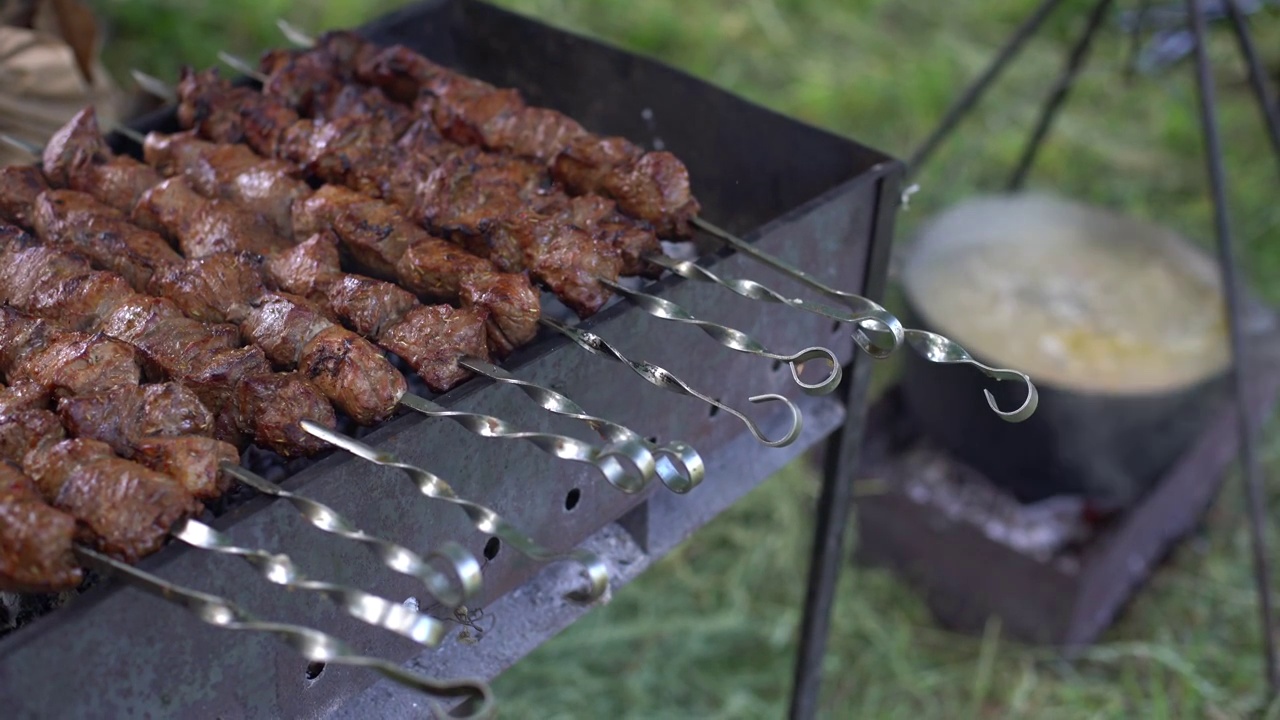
[
  {"x": 557, "y": 254},
  {"x": 235, "y": 382},
  {"x": 127, "y": 509},
  {"x": 35, "y": 537},
  {"x": 123, "y": 508},
  {"x": 345, "y": 367},
  {"x": 627, "y": 465},
  {"x": 217, "y": 285},
  {"x": 650, "y": 185}
]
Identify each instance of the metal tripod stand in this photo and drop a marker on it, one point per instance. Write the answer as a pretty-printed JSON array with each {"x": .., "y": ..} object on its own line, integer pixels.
[{"x": 833, "y": 519}]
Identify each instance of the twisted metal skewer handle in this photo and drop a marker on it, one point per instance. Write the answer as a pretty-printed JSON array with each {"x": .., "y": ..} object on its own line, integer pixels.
[
  {"x": 938, "y": 349},
  {"x": 677, "y": 464},
  {"x": 312, "y": 644},
  {"x": 856, "y": 302},
  {"x": 452, "y": 591},
  {"x": 736, "y": 339},
  {"x": 865, "y": 311},
  {"x": 624, "y": 443},
  {"x": 484, "y": 519},
  {"x": 662, "y": 378},
  {"x": 560, "y": 446},
  {"x": 281, "y": 570}
]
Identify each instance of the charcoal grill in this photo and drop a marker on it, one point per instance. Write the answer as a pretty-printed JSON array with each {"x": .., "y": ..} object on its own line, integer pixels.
[{"x": 819, "y": 201}]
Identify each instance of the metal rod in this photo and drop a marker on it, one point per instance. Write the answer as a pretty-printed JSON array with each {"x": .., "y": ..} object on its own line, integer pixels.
[
  {"x": 965, "y": 103},
  {"x": 1061, "y": 89},
  {"x": 1250, "y": 468},
  {"x": 835, "y": 504},
  {"x": 1135, "y": 40},
  {"x": 1257, "y": 74},
  {"x": 312, "y": 644}
]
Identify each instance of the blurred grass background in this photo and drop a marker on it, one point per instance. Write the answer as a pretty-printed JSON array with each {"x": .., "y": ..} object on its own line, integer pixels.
[{"x": 710, "y": 632}]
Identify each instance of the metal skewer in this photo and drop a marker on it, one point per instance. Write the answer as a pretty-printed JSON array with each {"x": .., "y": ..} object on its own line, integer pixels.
[
  {"x": 592, "y": 343},
  {"x": 931, "y": 346},
  {"x": 736, "y": 339},
  {"x": 312, "y": 644},
  {"x": 667, "y": 310},
  {"x": 484, "y": 519},
  {"x": 612, "y": 462},
  {"x": 662, "y": 378},
  {"x": 450, "y": 591},
  {"x": 281, "y": 570},
  {"x": 871, "y": 313},
  {"x": 676, "y": 463}
]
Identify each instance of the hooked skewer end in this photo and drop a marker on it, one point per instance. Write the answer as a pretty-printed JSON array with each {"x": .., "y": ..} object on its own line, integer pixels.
[{"x": 797, "y": 420}]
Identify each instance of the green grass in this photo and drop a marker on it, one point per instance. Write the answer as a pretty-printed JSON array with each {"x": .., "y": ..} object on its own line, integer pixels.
[{"x": 710, "y": 632}]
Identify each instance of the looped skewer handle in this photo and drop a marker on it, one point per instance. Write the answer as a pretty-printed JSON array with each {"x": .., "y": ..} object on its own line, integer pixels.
[
  {"x": 662, "y": 378},
  {"x": 453, "y": 592},
  {"x": 484, "y": 519},
  {"x": 281, "y": 570},
  {"x": 938, "y": 349},
  {"x": 560, "y": 446},
  {"x": 857, "y": 303},
  {"x": 858, "y": 314},
  {"x": 312, "y": 644},
  {"x": 736, "y": 339},
  {"x": 677, "y": 464}
]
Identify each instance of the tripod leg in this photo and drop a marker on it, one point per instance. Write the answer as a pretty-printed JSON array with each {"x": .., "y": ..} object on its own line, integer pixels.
[
  {"x": 1257, "y": 75},
  {"x": 974, "y": 92},
  {"x": 1232, "y": 286},
  {"x": 1061, "y": 89}
]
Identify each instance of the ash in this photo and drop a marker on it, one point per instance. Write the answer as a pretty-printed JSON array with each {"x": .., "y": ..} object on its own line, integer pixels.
[{"x": 1042, "y": 530}]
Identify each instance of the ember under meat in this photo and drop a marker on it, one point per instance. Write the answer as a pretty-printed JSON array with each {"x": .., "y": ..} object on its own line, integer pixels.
[{"x": 236, "y": 383}]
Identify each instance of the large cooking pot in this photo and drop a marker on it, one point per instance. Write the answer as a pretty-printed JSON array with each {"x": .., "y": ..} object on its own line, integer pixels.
[{"x": 1120, "y": 324}]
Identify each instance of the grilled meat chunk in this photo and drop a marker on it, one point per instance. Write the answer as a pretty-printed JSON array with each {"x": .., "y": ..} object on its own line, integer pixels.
[
  {"x": 23, "y": 397},
  {"x": 35, "y": 539},
  {"x": 345, "y": 366},
  {"x": 27, "y": 431},
  {"x": 434, "y": 337},
  {"x": 124, "y": 415},
  {"x": 62, "y": 362},
  {"x": 264, "y": 186},
  {"x": 194, "y": 461},
  {"x": 123, "y": 508},
  {"x": 202, "y": 226},
  {"x": 20, "y": 185},
  {"x": 309, "y": 268},
  {"x": 218, "y": 288},
  {"x": 77, "y": 157},
  {"x": 102, "y": 234}
]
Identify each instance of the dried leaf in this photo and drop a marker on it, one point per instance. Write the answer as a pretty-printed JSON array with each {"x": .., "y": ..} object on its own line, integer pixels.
[
  {"x": 79, "y": 29},
  {"x": 41, "y": 87}
]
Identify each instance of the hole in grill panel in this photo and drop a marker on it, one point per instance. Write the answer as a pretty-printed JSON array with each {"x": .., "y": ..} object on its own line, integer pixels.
[
  {"x": 491, "y": 548},
  {"x": 715, "y": 410},
  {"x": 777, "y": 365},
  {"x": 313, "y": 670},
  {"x": 835, "y": 326},
  {"x": 572, "y": 499}
]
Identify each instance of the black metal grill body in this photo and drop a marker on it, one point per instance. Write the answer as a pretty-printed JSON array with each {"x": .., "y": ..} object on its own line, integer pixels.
[{"x": 820, "y": 201}]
